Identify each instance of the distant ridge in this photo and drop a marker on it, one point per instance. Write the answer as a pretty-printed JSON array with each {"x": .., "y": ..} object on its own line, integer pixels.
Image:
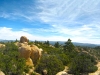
[
  {"x": 6, "y": 40},
  {"x": 76, "y": 44},
  {"x": 62, "y": 43},
  {"x": 85, "y": 44}
]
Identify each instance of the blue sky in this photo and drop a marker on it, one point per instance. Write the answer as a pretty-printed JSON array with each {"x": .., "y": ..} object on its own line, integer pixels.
[{"x": 51, "y": 20}]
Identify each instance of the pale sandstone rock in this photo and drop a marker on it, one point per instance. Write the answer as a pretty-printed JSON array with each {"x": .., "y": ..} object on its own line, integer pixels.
[
  {"x": 23, "y": 39},
  {"x": 25, "y": 51},
  {"x": 21, "y": 44},
  {"x": 16, "y": 43},
  {"x": 31, "y": 53},
  {"x": 35, "y": 53},
  {"x": 1, "y": 73},
  {"x": 29, "y": 62},
  {"x": 2, "y": 45},
  {"x": 44, "y": 72},
  {"x": 62, "y": 73}
]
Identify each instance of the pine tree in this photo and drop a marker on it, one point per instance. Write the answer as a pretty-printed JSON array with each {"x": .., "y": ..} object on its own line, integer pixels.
[
  {"x": 69, "y": 46},
  {"x": 47, "y": 43},
  {"x": 57, "y": 44}
]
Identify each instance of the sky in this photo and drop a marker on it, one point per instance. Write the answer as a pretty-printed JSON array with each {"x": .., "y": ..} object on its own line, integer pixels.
[{"x": 53, "y": 20}]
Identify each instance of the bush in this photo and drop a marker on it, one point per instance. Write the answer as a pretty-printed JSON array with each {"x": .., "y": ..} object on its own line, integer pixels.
[
  {"x": 49, "y": 63},
  {"x": 10, "y": 64},
  {"x": 64, "y": 58},
  {"x": 82, "y": 63}
]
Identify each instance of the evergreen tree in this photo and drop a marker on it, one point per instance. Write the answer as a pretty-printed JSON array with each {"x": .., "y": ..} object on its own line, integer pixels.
[
  {"x": 57, "y": 44},
  {"x": 47, "y": 43},
  {"x": 16, "y": 40},
  {"x": 69, "y": 47}
]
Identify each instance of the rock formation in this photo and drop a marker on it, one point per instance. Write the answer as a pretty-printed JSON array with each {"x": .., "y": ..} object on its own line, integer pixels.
[
  {"x": 25, "y": 52},
  {"x": 23, "y": 39},
  {"x": 35, "y": 53},
  {"x": 31, "y": 53},
  {"x": 44, "y": 72},
  {"x": 2, "y": 45},
  {"x": 1, "y": 73}
]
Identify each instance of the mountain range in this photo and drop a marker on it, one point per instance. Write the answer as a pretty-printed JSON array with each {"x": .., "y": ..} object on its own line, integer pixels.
[{"x": 62, "y": 43}]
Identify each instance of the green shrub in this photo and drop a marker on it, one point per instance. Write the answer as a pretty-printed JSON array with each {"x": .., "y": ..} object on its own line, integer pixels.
[
  {"x": 10, "y": 64},
  {"x": 82, "y": 63},
  {"x": 49, "y": 63}
]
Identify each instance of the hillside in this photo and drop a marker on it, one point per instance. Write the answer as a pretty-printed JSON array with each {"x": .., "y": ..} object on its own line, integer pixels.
[
  {"x": 77, "y": 59},
  {"x": 62, "y": 43}
]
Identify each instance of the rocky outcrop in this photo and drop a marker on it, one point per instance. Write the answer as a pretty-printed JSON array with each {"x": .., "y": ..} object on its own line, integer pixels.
[
  {"x": 35, "y": 53},
  {"x": 31, "y": 53},
  {"x": 2, "y": 45},
  {"x": 44, "y": 72},
  {"x": 25, "y": 52},
  {"x": 23, "y": 39},
  {"x": 1, "y": 73}
]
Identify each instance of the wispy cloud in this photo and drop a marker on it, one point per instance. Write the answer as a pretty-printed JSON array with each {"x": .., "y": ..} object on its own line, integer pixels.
[
  {"x": 16, "y": 34},
  {"x": 68, "y": 11},
  {"x": 13, "y": 35},
  {"x": 23, "y": 10},
  {"x": 59, "y": 20},
  {"x": 75, "y": 19}
]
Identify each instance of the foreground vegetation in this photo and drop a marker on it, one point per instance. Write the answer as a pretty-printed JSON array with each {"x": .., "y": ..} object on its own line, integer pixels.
[{"x": 54, "y": 58}]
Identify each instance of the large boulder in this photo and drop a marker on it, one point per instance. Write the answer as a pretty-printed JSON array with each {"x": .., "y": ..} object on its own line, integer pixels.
[
  {"x": 23, "y": 39},
  {"x": 31, "y": 53},
  {"x": 1, "y": 73},
  {"x": 35, "y": 53},
  {"x": 25, "y": 52},
  {"x": 44, "y": 72},
  {"x": 21, "y": 44},
  {"x": 29, "y": 62}
]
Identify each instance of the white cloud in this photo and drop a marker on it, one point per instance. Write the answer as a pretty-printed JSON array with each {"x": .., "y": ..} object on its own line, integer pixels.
[
  {"x": 9, "y": 34},
  {"x": 75, "y": 19},
  {"x": 63, "y": 10}
]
